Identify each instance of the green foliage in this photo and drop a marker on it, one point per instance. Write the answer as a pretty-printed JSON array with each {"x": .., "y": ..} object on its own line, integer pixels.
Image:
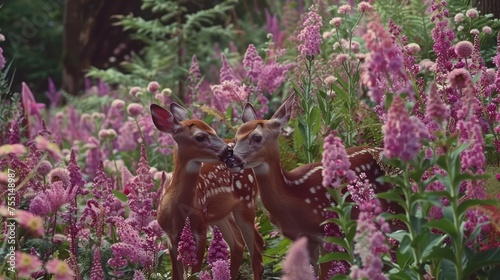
[
  {"x": 172, "y": 36},
  {"x": 33, "y": 36},
  {"x": 420, "y": 246},
  {"x": 413, "y": 17}
]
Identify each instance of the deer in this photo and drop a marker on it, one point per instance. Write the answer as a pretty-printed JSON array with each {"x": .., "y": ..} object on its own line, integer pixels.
[
  {"x": 295, "y": 200},
  {"x": 203, "y": 189}
]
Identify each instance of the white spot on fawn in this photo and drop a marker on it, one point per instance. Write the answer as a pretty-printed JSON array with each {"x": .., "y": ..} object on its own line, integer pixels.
[{"x": 238, "y": 185}]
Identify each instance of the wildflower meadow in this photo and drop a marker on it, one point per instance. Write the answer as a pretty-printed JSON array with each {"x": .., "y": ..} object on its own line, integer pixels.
[{"x": 415, "y": 84}]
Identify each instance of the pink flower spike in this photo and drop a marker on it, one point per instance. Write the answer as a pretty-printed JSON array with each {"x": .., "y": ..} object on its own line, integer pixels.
[
  {"x": 221, "y": 270},
  {"x": 310, "y": 37},
  {"x": 187, "y": 246},
  {"x": 60, "y": 269},
  {"x": 296, "y": 264},
  {"x": 29, "y": 103},
  {"x": 218, "y": 249}
]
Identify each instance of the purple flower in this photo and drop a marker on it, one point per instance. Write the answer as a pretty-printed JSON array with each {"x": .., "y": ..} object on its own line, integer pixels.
[
  {"x": 296, "y": 265},
  {"x": 459, "y": 78},
  {"x": 131, "y": 246},
  {"x": 96, "y": 273},
  {"x": 272, "y": 76},
  {"x": 221, "y": 270},
  {"x": 26, "y": 264},
  {"x": 204, "y": 275},
  {"x": 252, "y": 62},
  {"x": 134, "y": 91},
  {"x": 135, "y": 109},
  {"x": 59, "y": 174},
  {"x": 76, "y": 178},
  {"x": 226, "y": 73},
  {"x": 436, "y": 109},
  {"x": 218, "y": 249},
  {"x": 310, "y": 36},
  {"x": 463, "y": 49},
  {"x": 153, "y": 86},
  {"x": 187, "y": 246},
  {"x": 142, "y": 195},
  {"x": 370, "y": 241},
  {"x": 50, "y": 200},
  {"x": 472, "y": 13},
  {"x": 365, "y": 7},
  {"x": 53, "y": 94},
  {"x": 60, "y": 269},
  {"x": 402, "y": 133},
  {"x": 443, "y": 37},
  {"x": 193, "y": 79},
  {"x": 138, "y": 275},
  {"x": 383, "y": 65},
  {"x": 335, "y": 162},
  {"x": 332, "y": 229},
  {"x": 2, "y": 59},
  {"x": 344, "y": 9},
  {"x": 44, "y": 168}
]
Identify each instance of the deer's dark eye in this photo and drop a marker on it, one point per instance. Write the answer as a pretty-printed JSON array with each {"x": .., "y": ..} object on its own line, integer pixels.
[
  {"x": 200, "y": 138},
  {"x": 257, "y": 138}
]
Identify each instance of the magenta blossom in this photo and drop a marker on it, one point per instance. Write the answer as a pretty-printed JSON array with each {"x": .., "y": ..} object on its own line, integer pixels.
[
  {"x": 187, "y": 246},
  {"x": 402, "y": 133},
  {"x": 310, "y": 37},
  {"x": 335, "y": 162}
]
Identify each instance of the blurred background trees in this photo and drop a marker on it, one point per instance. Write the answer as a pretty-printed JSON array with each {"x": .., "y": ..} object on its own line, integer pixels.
[{"x": 129, "y": 42}]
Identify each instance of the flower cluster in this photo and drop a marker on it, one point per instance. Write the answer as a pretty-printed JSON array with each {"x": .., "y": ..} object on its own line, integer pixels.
[
  {"x": 402, "y": 133},
  {"x": 335, "y": 163}
]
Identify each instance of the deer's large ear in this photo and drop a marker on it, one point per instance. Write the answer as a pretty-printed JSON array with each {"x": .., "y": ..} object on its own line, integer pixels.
[
  {"x": 249, "y": 113},
  {"x": 180, "y": 114},
  {"x": 282, "y": 115},
  {"x": 164, "y": 120}
]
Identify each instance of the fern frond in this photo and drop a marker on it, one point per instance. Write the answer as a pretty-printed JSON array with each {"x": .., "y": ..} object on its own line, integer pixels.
[{"x": 206, "y": 17}]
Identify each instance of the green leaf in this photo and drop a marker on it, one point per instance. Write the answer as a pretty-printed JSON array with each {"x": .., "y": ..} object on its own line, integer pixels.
[
  {"x": 439, "y": 253},
  {"x": 444, "y": 225},
  {"x": 448, "y": 270},
  {"x": 337, "y": 240},
  {"x": 431, "y": 244},
  {"x": 488, "y": 257},
  {"x": 392, "y": 195},
  {"x": 335, "y": 256},
  {"x": 404, "y": 255},
  {"x": 121, "y": 196}
]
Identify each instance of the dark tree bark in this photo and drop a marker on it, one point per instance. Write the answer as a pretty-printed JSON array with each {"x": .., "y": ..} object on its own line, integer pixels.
[
  {"x": 72, "y": 76},
  {"x": 488, "y": 7},
  {"x": 91, "y": 38}
]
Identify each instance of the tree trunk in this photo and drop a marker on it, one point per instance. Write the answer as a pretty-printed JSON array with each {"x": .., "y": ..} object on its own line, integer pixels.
[
  {"x": 488, "y": 7},
  {"x": 92, "y": 39},
  {"x": 72, "y": 47}
]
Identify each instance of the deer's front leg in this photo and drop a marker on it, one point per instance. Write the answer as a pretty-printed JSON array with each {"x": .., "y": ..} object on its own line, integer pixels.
[
  {"x": 245, "y": 218},
  {"x": 200, "y": 236},
  {"x": 177, "y": 268},
  {"x": 232, "y": 236}
]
